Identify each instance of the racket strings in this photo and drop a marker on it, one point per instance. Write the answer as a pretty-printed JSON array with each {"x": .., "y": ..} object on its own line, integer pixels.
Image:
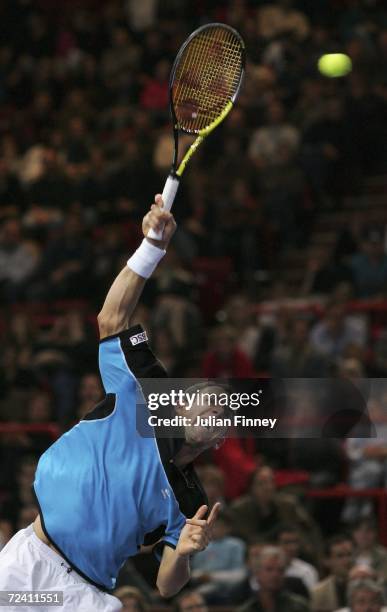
[
  {"x": 215, "y": 81},
  {"x": 206, "y": 78}
]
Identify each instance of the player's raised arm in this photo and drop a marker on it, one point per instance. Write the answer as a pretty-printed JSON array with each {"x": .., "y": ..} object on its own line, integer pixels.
[{"x": 126, "y": 289}]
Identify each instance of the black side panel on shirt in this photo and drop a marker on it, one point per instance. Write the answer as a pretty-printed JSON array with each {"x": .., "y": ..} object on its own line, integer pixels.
[
  {"x": 103, "y": 409},
  {"x": 139, "y": 356},
  {"x": 185, "y": 484}
]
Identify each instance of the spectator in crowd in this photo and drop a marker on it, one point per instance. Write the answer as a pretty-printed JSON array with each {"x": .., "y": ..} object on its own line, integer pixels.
[
  {"x": 364, "y": 596},
  {"x": 89, "y": 394},
  {"x": 39, "y": 409},
  {"x": 288, "y": 538},
  {"x": 237, "y": 464},
  {"x": 330, "y": 593},
  {"x": 64, "y": 267},
  {"x": 21, "y": 495},
  {"x": 18, "y": 260},
  {"x": 86, "y": 141},
  {"x": 360, "y": 572},
  {"x": 131, "y": 599},
  {"x": 296, "y": 357},
  {"x": 247, "y": 588},
  {"x": 213, "y": 481},
  {"x": 323, "y": 273},
  {"x": 369, "y": 266},
  {"x": 18, "y": 376},
  {"x": 326, "y": 150},
  {"x": 226, "y": 359},
  {"x": 336, "y": 332},
  {"x": 275, "y": 142},
  {"x": 39, "y": 412},
  {"x": 271, "y": 595},
  {"x": 282, "y": 18},
  {"x": 176, "y": 316},
  {"x": 190, "y": 601},
  {"x": 238, "y": 312},
  {"x": 273, "y": 151},
  {"x": 63, "y": 352},
  {"x": 129, "y": 576},
  {"x": 367, "y": 461},
  {"x": 368, "y": 551},
  {"x": 154, "y": 96},
  {"x": 176, "y": 313},
  {"x": 258, "y": 513}
]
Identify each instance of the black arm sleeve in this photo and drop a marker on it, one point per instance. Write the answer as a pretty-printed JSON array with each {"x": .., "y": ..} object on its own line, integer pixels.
[{"x": 138, "y": 355}]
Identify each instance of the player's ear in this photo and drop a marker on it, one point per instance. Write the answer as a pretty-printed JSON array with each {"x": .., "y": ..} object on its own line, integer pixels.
[{"x": 180, "y": 409}]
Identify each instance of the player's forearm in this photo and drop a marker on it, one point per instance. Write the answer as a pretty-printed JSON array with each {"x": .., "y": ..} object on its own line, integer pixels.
[
  {"x": 120, "y": 302},
  {"x": 126, "y": 290},
  {"x": 173, "y": 574}
]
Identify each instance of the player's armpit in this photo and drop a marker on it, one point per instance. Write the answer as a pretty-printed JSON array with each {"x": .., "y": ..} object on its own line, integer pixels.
[{"x": 147, "y": 550}]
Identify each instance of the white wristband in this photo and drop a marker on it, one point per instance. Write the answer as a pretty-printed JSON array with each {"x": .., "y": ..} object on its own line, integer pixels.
[{"x": 145, "y": 259}]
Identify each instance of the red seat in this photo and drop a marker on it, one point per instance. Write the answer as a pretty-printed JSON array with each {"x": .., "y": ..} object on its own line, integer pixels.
[{"x": 286, "y": 478}]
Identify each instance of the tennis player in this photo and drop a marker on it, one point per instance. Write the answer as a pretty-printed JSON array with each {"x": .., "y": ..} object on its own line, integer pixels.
[{"x": 104, "y": 490}]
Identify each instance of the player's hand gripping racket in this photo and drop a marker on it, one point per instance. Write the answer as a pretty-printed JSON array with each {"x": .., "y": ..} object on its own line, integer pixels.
[{"x": 205, "y": 81}]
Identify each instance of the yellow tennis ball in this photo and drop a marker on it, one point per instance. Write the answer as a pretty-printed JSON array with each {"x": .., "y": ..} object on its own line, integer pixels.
[{"x": 334, "y": 65}]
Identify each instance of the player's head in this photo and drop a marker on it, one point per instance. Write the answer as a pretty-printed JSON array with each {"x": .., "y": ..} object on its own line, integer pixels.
[{"x": 207, "y": 412}]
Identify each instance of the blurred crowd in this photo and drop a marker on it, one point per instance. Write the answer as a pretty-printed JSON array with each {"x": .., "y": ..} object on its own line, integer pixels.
[{"x": 85, "y": 144}]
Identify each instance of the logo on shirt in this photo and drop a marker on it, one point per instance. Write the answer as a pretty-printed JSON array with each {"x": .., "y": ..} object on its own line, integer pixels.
[
  {"x": 138, "y": 338},
  {"x": 165, "y": 493}
]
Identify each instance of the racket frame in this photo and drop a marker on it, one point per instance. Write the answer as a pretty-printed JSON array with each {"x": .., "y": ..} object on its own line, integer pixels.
[
  {"x": 172, "y": 183},
  {"x": 177, "y": 171}
]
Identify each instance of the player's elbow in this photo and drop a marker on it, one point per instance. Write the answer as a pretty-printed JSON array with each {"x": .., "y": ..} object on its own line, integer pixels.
[
  {"x": 103, "y": 322},
  {"x": 166, "y": 591}
]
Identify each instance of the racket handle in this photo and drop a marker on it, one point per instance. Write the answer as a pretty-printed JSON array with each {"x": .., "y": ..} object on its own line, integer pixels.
[{"x": 169, "y": 192}]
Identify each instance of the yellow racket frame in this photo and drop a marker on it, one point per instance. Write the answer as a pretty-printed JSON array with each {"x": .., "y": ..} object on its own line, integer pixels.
[{"x": 202, "y": 135}]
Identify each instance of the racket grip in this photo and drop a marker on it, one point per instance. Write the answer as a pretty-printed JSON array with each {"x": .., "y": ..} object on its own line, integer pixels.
[{"x": 169, "y": 192}]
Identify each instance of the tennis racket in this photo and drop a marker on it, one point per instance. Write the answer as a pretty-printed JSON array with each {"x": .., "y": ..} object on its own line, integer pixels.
[{"x": 205, "y": 80}]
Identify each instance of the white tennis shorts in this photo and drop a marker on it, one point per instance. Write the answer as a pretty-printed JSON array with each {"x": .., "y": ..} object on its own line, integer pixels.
[{"x": 28, "y": 564}]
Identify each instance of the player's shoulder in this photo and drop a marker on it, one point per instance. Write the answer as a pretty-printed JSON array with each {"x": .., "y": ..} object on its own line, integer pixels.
[{"x": 130, "y": 337}]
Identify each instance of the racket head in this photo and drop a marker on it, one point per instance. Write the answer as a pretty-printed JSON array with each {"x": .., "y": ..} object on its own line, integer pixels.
[{"x": 206, "y": 77}]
